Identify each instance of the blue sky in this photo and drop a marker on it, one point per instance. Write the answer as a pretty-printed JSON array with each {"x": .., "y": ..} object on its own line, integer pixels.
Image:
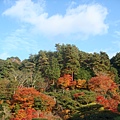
[{"x": 28, "y": 26}]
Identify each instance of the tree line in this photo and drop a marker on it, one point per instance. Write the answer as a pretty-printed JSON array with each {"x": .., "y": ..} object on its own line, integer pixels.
[{"x": 66, "y": 59}]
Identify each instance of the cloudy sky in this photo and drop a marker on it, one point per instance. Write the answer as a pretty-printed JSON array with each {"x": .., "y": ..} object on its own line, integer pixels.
[{"x": 28, "y": 26}]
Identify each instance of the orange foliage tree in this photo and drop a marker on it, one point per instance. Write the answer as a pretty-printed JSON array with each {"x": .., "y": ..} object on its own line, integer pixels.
[
  {"x": 106, "y": 90},
  {"x": 25, "y": 114},
  {"x": 102, "y": 84},
  {"x": 66, "y": 81},
  {"x": 23, "y": 103},
  {"x": 48, "y": 101},
  {"x": 25, "y": 97}
]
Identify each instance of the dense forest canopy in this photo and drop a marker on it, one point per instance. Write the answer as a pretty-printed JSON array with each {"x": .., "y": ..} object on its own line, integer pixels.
[
  {"x": 66, "y": 59},
  {"x": 78, "y": 77}
]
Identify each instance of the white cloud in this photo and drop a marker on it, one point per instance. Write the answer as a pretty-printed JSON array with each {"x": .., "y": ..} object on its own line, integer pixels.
[
  {"x": 83, "y": 20},
  {"x": 72, "y": 4},
  {"x": 117, "y": 34},
  {"x": 4, "y": 55},
  {"x": 18, "y": 41}
]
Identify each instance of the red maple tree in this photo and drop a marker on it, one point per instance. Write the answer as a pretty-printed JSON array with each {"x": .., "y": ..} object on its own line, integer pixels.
[{"x": 106, "y": 90}]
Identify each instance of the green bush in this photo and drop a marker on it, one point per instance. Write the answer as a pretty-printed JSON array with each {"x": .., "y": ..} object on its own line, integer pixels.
[{"x": 39, "y": 104}]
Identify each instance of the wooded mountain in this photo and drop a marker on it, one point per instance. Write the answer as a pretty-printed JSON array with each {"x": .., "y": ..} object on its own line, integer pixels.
[{"x": 66, "y": 59}]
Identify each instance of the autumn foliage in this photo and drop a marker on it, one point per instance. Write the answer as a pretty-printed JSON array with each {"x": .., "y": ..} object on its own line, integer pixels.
[
  {"x": 66, "y": 81},
  {"x": 108, "y": 103},
  {"x": 25, "y": 97},
  {"x": 106, "y": 90},
  {"x": 102, "y": 84},
  {"x": 25, "y": 114},
  {"x": 81, "y": 84},
  {"x": 23, "y": 104}
]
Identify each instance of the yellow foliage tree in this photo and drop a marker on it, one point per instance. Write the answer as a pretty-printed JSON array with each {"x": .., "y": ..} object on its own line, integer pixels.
[{"x": 81, "y": 83}]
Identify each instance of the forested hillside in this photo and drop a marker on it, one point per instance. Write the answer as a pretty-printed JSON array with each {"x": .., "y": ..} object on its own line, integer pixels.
[{"x": 65, "y": 84}]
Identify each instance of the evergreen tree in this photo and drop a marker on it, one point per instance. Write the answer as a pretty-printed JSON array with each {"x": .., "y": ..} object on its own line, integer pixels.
[
  {"x": 70, "y": 59},
  {"x": 42, "y": 63},
  {"x": 53, "y": 70}
]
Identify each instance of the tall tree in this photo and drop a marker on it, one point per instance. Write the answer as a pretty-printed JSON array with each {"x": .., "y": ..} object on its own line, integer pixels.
[
  {"x": 115, "y": 62},
  {"x": 7, "y": 67},
  {"x": 42, "y": 63},
  {"x": 59, "y": 54},
  {"x": 70, "y": 59},
  {"x": 53, "y": 70},
  {"x": 27, "y": 69},
  {"x": 98, "y": 63}
]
